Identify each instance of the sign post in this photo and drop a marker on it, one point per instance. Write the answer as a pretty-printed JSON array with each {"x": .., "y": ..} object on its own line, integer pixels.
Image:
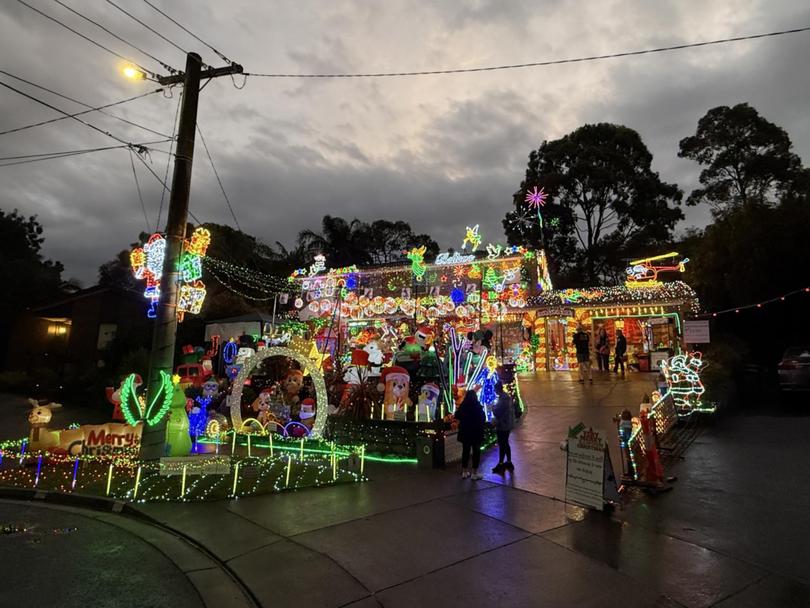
[
  {"x": 696, "y": 331},
  {"x": 589, "y": 477}
]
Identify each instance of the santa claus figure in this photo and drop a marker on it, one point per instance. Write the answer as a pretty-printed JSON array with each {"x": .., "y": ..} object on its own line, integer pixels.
[
  {"x": 396, "y": 400},
  {"x": 114, "y": 396},
  {"x": 424, "y": 337}
]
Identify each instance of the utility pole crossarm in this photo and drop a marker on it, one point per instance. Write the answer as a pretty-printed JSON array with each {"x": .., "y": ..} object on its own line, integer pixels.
[{"x": 234, "y": 68}]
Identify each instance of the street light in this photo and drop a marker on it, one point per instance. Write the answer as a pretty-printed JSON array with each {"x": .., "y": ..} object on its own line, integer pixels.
[{"x": 133, "y": 73}]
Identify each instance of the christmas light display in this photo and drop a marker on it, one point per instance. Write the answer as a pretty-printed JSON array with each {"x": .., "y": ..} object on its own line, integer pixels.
[
  {"x": 537, "y": 199},
  {"x": 235, "y": 400},
  {"x": 471, "y": 238},
  {"x": 147, "y": 264},
  {"x": 543, "y": 275},
  {"x": 493, "y": 251},
  {"x": 417, "y": 258},
  {"x": 134, "y": 406},
  {"x": 643, "y": 273},
  {"x": 125, "y": 477},
  {"x": 682, "y": 373},
  {"x": 676, "y": 292}
]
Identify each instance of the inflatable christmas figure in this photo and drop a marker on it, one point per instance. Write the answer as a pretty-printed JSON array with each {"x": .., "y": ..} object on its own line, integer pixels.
[
  {"x": 375, "y": 357},
  {"x": 178, "y": 440},
  {"x": 625, "y": 422},
  {"x": 396, "y": 386},
  {"x": 261, "y": 406},
  {"x": 307, "y": 413},
  {"x": 291, "y": 386},
  {"x": 40, "y": 438},
  {"x": 114, "y": 397},
  {"x": 428, "y": 398},
  {"x": 654, "y": 471}
]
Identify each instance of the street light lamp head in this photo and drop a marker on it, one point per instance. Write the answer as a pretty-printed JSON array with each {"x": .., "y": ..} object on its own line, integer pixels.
[{"x": 133, "y": 73}]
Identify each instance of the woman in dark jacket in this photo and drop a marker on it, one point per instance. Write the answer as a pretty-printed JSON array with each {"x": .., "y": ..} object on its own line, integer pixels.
[{"x": 471, "y": 421}]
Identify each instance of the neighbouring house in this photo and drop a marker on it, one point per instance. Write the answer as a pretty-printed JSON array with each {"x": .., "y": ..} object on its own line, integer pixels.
[{"x": 71, "y": 334}]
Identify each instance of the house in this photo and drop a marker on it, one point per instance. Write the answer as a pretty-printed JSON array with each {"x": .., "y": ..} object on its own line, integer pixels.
[{"x": 70, "y": 334}]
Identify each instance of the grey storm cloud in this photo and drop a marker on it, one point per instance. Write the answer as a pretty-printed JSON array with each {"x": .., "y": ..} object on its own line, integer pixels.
[{"x": 441, "y": 152}]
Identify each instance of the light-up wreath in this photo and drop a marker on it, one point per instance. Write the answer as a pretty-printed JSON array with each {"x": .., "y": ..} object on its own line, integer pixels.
[{"x": 306, "y": 364}]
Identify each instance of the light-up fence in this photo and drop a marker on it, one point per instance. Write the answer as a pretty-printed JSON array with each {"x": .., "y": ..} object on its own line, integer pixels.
[{"x": 235, "y": 466}]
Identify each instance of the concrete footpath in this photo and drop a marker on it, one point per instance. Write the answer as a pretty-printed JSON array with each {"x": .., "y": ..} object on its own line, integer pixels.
[{"x": 731, "y": 534}]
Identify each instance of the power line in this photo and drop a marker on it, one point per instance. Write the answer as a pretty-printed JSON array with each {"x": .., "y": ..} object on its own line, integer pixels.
[
  {"x": 662, "y": 49},
  {"x": 138, "y": 187},
  {"x": 189, "y": 32},
  {"x": 99, "y": 109},
  {"x": 32, "y": 158},
  {"x": 151, "y": 29},
  {"x": 219, "y": 181},
  {"x": 90, "y": 40},
  {"x": 117, "y": 37},
  {"x": 67, "y": 115}
]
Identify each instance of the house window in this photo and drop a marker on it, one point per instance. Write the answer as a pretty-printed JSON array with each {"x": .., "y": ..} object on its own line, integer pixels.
[{"x": 106, "y": 334}]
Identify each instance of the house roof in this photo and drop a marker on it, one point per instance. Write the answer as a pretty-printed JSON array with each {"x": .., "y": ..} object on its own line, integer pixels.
[
  {"x": 246, "y": 318},
  {"x": 61, "y": 307}
]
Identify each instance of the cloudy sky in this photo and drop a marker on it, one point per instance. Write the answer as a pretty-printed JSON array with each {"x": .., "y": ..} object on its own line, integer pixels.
[{"x": 437, "y": 151}]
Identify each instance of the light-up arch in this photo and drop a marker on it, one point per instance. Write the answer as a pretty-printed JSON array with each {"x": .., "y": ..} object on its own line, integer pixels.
[{"x": 253, "y": 362}]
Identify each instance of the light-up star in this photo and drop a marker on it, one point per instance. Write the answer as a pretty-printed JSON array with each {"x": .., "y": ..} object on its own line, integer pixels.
[
  {"x": 536, "y": 198},
  {"x": 472, "y": 237},
  {"x": 176, "y": 379}
]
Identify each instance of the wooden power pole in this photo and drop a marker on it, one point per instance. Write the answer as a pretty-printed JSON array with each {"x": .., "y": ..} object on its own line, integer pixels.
[{"x": 163, "y": 340}]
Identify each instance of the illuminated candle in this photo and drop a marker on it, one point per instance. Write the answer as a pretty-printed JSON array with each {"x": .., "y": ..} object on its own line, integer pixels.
[
  {"x": 235, "y": 478},
  {"x": 109, "y": 479},
  {"x": 137, "y": 483},
  {"x": 75, "y": 473}
]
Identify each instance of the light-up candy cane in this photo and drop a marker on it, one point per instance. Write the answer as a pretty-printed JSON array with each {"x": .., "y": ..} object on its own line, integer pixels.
[{"x": 471, "y": 378}]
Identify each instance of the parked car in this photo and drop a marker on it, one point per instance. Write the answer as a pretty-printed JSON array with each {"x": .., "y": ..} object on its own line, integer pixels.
[{"x": 794, "y": 369}]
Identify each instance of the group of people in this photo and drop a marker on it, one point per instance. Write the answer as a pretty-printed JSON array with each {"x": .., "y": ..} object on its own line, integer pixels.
[
  {"x": 582, "y": 343},
  {"x": 471, "y": 423}
]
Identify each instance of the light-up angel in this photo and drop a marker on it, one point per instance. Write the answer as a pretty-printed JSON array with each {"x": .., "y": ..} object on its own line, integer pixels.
[{"x": 472, "y": 237}]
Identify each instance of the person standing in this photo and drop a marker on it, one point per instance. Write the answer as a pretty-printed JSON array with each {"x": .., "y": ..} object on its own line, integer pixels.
[
  {"x": 582, "y": 342},
  {"x": 504, "y": 412},
  {"x": 471, "y": 421},
  {"x": 603, "y": 350},
  {"x": 621, "y": 349}
]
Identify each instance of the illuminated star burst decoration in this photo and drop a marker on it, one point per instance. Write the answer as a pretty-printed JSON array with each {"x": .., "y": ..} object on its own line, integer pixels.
[
  {"x": 523, "y": 220},
  {"x": 536, "y": 199}
]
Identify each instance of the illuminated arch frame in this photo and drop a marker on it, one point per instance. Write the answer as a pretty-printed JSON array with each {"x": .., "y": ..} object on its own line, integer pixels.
[{"x": 280, "y": 351}]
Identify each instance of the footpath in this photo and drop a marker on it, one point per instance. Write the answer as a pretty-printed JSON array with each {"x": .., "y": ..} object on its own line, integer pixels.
[{"x": 731, "y": 533}]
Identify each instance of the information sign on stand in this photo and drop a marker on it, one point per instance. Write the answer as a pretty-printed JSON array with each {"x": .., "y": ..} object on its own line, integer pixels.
[
  {"x": 589, "y": 477},
  {"x": 696, "y": 332}
]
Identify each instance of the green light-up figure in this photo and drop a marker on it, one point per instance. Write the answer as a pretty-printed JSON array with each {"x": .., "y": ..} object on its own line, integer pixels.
[{"x": 178, "y": 441}]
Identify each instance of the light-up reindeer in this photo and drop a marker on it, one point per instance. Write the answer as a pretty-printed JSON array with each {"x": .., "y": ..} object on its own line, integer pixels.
[{"x": 40, "y": 437}]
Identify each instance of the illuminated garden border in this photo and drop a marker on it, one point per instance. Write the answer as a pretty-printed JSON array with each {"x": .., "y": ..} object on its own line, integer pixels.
[{"x": 280, "y": 351}]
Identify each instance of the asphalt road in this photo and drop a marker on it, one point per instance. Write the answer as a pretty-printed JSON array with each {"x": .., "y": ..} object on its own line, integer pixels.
[{"x": 55, "y": 557}]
